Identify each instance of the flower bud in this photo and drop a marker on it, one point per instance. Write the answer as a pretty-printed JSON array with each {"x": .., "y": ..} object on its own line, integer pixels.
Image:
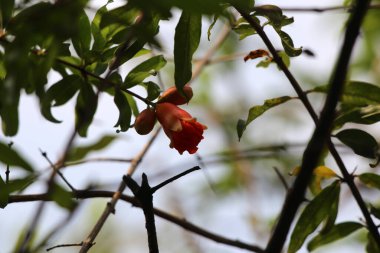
[
  {"x": 145, "y": 121},
  {"x": 173, "y": 96}
]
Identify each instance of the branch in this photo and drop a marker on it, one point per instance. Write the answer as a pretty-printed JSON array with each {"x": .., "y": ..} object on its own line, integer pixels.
[
  {"x": 110, "y": 208},
  {"x": 295, "y": 198},
  {"x": 86, "y": 194}
]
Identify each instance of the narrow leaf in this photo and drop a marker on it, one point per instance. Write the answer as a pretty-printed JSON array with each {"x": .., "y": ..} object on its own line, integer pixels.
[
  {"x": 258, "y": 110},
  {"x": 288, "y": 45},
  {"x": 186, "y": 41},
  {"x": 337, "y": 232},
  {"x": 58, "y": 94},
  {"x": 125, "y": 112},
  {"x": 370, "y": 180},
  {"x": 87, "y": 103},
  {"x": 372, "y": 246},
  {"x": 12, "y": 158},
  {"x": 63, "y": 197},
  {"x": 82, "y": 40},
  {"x": 143, "y": 70},
  {"x": 313, "y": 214},
  {"x": 362, "y": 143},
  {"x": 81, "y": 152},
  {"x": 6, "y": 10}
]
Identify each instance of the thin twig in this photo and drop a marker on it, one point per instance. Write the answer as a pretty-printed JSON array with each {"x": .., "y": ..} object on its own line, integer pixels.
[
  {"x": 104, "y": 80},
  {"x": 168, "y": 181},
  {"x": 110, "y": 208},
  {"x": 8, "y": 171},
  {"x": 44, "y": 154},
  {"x": 86, "y": 194},
  {"x": 98, "y": 159},
  {"x": 64, "y": 246},
  {"x": 49, "y": 188},
  {"x": 282, "y": 179}
]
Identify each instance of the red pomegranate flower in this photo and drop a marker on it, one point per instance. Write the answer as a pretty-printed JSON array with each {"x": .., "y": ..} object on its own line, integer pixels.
[{"x": 184, "y": 132}]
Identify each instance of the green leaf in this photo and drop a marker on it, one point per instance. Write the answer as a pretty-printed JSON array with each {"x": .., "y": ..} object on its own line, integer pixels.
[
  {"x": 18, "y": 185},
  {"x": 212, "y": 26},
  {"x": 375, "y": 211},
  {"x": 125, "y": 112},
  {"x": 82, "y": 40},
  {"x": 152, "y": 89},
  {"x": 9, "y": 102},
  {"x": 143, "y": 70},
  {"x": 273, "y": 13},
  {"x": 314, "y": 213},
  {"x": 356, "y": 94},
  {"x": 288, "y": 44},
  {"x": 63, "y": 197},
  {"x": 11, "y": 157},
  {"x": 370, "y": 180},
  {"x": 362, "y": 143},
  {"x": 78, "y": 153},
  {"x": 240, "y": 127},
  {"x": 6, "y": 10},
  {"x": 337, "y": 232},
  {"x": 361, "y": 115},
  {"x": 258, "y": 110},
  {"x": 244, "y": 30},
  {"x": 132, "y": 103},
  {"x": 121, "y": 16},
  {"x": 186, "y": 41},
  {"x": 4, "y": 194},
  {"x": 87, "y": 103},
  {"x": 372, "y": 246},
  {"x": 59, "y": 93}
]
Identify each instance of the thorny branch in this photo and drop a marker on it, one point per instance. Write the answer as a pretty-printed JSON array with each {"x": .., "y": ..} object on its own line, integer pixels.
[{"x": 315, "y": 146}]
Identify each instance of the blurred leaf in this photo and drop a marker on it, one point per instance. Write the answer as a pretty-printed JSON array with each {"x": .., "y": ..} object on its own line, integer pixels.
[
  {"x": 122, "y": 16},
  {"x": 99, "y": 40},
  {"x": 244, "y": 29},
  {"x": 82, "y": 40},
  {"x": 314, "y": 213},
  {"x": 370, "y": 180},
  {"x": 87, "y": 103},
  {"x": 337, "y": 232},
  {"x": 143, "y": 70},
  {"x": 9, "y": 102},
  {"x": 4, "y": 194},
  {"x": 78, "y": 153},
  {"x": 288, "y": 44},
  {"x": 258, "y": 110},
  {"x": 18, "y": 185},
  {"x": 257, "y": 54},
  {"x": 63, "y": 197},
  {"x": 240, "y": 127},
  {"x": 59, "y": 94},
  {"x": 125, "y": 112},
  {"x": 362, "y": 143},
  {"x": 132, "y": 103},
  {"x": 11, "y": 157},
  {"x": 356, "y": 93},
  {"x": 372, "y": 246},
  {"x": 6, "y": 10},
  {"x": 273, "y": 13},
  {"x": 363, "y": 115},
  {"x": 152, "y": 89},
  {"x": 375, "y": 211},
  {"x": 186, "y": 41},
  {"x": 211, "y": 26}
]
